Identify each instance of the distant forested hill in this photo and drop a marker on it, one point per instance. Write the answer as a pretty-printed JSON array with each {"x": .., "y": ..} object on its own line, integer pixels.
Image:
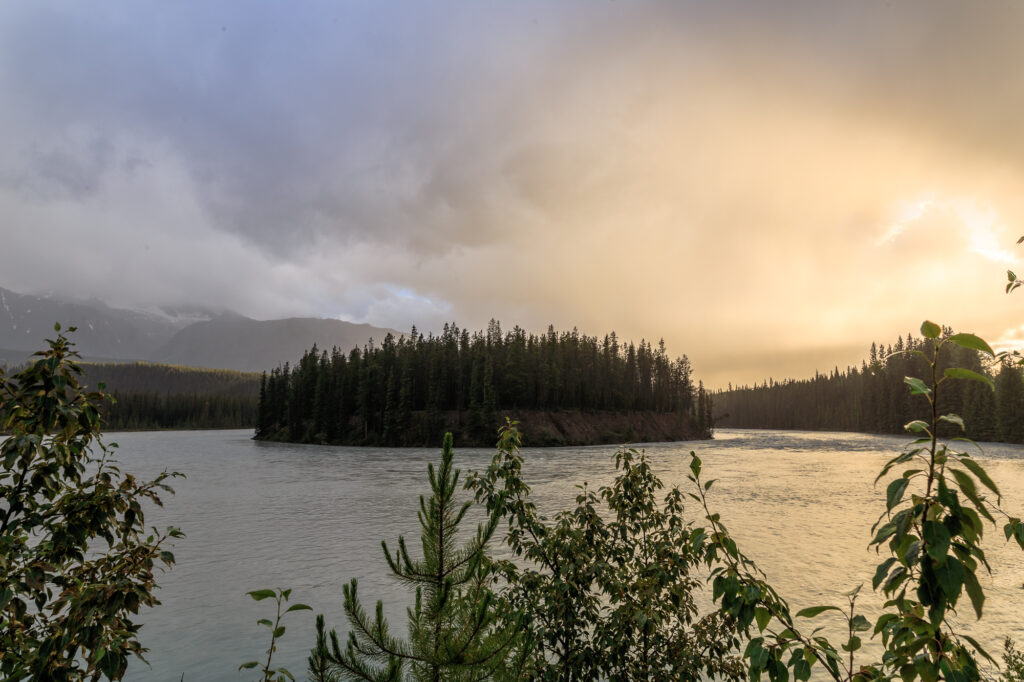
[
  {"x": 141, "y": 377},
  {"x": 408, "y": 391},
  {"x": 155, "y": 396},
  {"x": 874, "y": 399}
]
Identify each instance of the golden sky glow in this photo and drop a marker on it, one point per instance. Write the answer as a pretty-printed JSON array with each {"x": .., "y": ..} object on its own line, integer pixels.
[{"x": 769, "y": 187}]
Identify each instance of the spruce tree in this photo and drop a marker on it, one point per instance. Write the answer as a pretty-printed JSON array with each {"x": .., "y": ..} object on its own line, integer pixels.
[{"x": 455, "y": 629}]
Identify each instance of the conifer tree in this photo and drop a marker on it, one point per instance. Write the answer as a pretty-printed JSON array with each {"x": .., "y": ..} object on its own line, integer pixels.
[{"x": 455, "y": 630}]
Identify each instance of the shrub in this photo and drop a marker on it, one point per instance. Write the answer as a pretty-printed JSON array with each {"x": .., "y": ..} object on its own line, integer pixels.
[{"x": 76, "y": 563}]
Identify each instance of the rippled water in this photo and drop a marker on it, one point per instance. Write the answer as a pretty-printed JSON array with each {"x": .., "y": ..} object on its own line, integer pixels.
[{"x": 310, "y": 518}]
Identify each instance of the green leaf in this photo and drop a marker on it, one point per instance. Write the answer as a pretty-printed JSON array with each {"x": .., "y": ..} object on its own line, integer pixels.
[
  {"x": 860, "y": 624},
  {"x": 265, "y": 621},
  {"x": 813, "y": 611},
  {"x": 762, "y": 616},
  {"x": 974, "y": 592},
  {"x": 930, "y": 330},
  {"x": 951, "y": 578},
  {"x": 936, "y": 538},
  {"x": 916, "y": 426},
  {"x": 917, "y": 387},
  {"x": 695, "y": 464},
  {"x": 299, "y": 607},
  {"x": 982, "y": 475},
  {"x": 894, "y": 493},
  {"x": 279, "y": 631},
  {"x": 970, "y": 491},
  {"x": 881, "y": 572},
  {"x": 249, "y": 665},
  {"x": 260, "y": 595},
  {"x": 973, "y": 342},
  {"x": 961, "y": 373},
  {"x": 953, "y": 419}
]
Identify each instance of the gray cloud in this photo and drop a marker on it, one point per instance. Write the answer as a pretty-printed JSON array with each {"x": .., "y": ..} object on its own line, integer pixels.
[{"x": 702, "y": 171}]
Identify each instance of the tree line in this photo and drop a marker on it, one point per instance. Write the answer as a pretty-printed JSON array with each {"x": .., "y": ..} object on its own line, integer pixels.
[
  {"x": 874, "y": 399},
  {"x": 409, "y": 389},
  {"x": 146, "y": 410},
  {"x": 145, "y": 395},
  {"x": 145, "y": 377}
]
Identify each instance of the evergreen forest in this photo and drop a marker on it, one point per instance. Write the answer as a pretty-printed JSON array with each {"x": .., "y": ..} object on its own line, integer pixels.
[
  {"x": 874, "y": 398},
  {"x": 408, "y": 389},
  {"x": 158, "y": 396}
]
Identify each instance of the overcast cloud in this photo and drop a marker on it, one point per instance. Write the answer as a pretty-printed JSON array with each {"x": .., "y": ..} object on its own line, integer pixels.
[{"x": 768, "y": 186}]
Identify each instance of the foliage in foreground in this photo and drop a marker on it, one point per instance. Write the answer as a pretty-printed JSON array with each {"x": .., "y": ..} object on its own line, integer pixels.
[
  {"x": 277, "y": 631},
  {"x": 76, "y": 562},
  {"x": 608, "y": 587},
  {"x": 455, "y": 630},
  {"x": 932, "y": 527},
  {"x": 606, "y": 590}
]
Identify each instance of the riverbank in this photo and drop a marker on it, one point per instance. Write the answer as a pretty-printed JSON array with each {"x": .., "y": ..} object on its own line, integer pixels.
[{"x": 541, "y": 428}]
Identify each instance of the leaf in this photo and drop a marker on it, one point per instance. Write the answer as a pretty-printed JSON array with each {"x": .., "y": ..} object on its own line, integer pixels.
[
  {"x": 260, "y": 595},
  {"x": 972, "y": 341},
  {"x": 299, "y": 607},
  {"x": 953, "y": 419},
  {"x": 930, "y": 330},
  {"x": 249, "y": 665},
  {"x": 894, "y": 493},
  {"x": 278, "y": 632},
  {"x": 813, "y": 611},
  {"x": 969, "y": 490},
  {"x": 762, "y": 616},
  {"x": 951, "y": 578},
  {"x": 974, "y": 592},
  {"x": 961, "y": 373},
  {"x": 695, "y": 464},
  {"x": 981, "y": 474},
  {"x": 917, "y": 387},
  {"x": 916, "y": 426},
  {"x": 936, "y": 538},
  {"x": 881, "y": 572},
  {"x": 1010, "y": 275}
]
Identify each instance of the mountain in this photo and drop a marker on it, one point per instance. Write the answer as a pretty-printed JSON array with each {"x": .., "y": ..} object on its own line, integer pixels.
[
  {"x": 241, "y": 343},
  {"x": 186, "y": 336},
  {"x": 103, "y": 332}
]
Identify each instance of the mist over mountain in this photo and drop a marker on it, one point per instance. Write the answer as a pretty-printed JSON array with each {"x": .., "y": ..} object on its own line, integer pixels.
[
  {"x": 188, "y": 336},
  {"x": 237, "y": 342}
]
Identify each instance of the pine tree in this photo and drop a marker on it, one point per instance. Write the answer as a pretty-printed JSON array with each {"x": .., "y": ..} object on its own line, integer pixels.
[{"x": 455, "y": 631}]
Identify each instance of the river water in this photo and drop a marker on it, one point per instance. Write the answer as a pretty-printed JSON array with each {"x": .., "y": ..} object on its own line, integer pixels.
[{"x": 265, "y": 515}]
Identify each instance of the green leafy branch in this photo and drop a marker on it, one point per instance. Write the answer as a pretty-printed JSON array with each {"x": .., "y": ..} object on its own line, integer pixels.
[{"x": 277, "y": 631}]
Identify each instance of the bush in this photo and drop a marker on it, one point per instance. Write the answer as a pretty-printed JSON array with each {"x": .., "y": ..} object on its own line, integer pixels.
[{"x": 76, "y": 563}]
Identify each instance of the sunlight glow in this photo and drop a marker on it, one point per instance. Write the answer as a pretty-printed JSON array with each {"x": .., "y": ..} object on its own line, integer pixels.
[{"x": 985, "y": 233}]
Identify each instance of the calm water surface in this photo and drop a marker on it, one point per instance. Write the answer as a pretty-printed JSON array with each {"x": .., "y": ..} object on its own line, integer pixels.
[{"x": 262, "y": 515}]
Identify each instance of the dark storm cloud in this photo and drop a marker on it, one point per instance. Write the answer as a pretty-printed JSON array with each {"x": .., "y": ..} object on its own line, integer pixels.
[{"x": 606, "y": 164}]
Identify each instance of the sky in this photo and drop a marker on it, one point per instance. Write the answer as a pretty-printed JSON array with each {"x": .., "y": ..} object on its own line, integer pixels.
[{"x": 767, "y": 186}]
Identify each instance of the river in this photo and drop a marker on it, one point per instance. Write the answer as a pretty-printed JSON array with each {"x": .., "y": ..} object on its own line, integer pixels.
[{"x": 264, "y": 515}]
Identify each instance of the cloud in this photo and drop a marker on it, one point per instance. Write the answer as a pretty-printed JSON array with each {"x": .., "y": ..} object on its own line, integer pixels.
[{"x": 725, "y": 175}]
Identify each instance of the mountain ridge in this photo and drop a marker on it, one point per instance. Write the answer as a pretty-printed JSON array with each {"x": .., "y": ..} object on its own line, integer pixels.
[{"x": 186, "y": 336}]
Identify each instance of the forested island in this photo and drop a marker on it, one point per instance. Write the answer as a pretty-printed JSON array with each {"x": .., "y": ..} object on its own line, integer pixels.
[
  {"x": 566, "y": 388},
  {"x": 874, "y": 398}
]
